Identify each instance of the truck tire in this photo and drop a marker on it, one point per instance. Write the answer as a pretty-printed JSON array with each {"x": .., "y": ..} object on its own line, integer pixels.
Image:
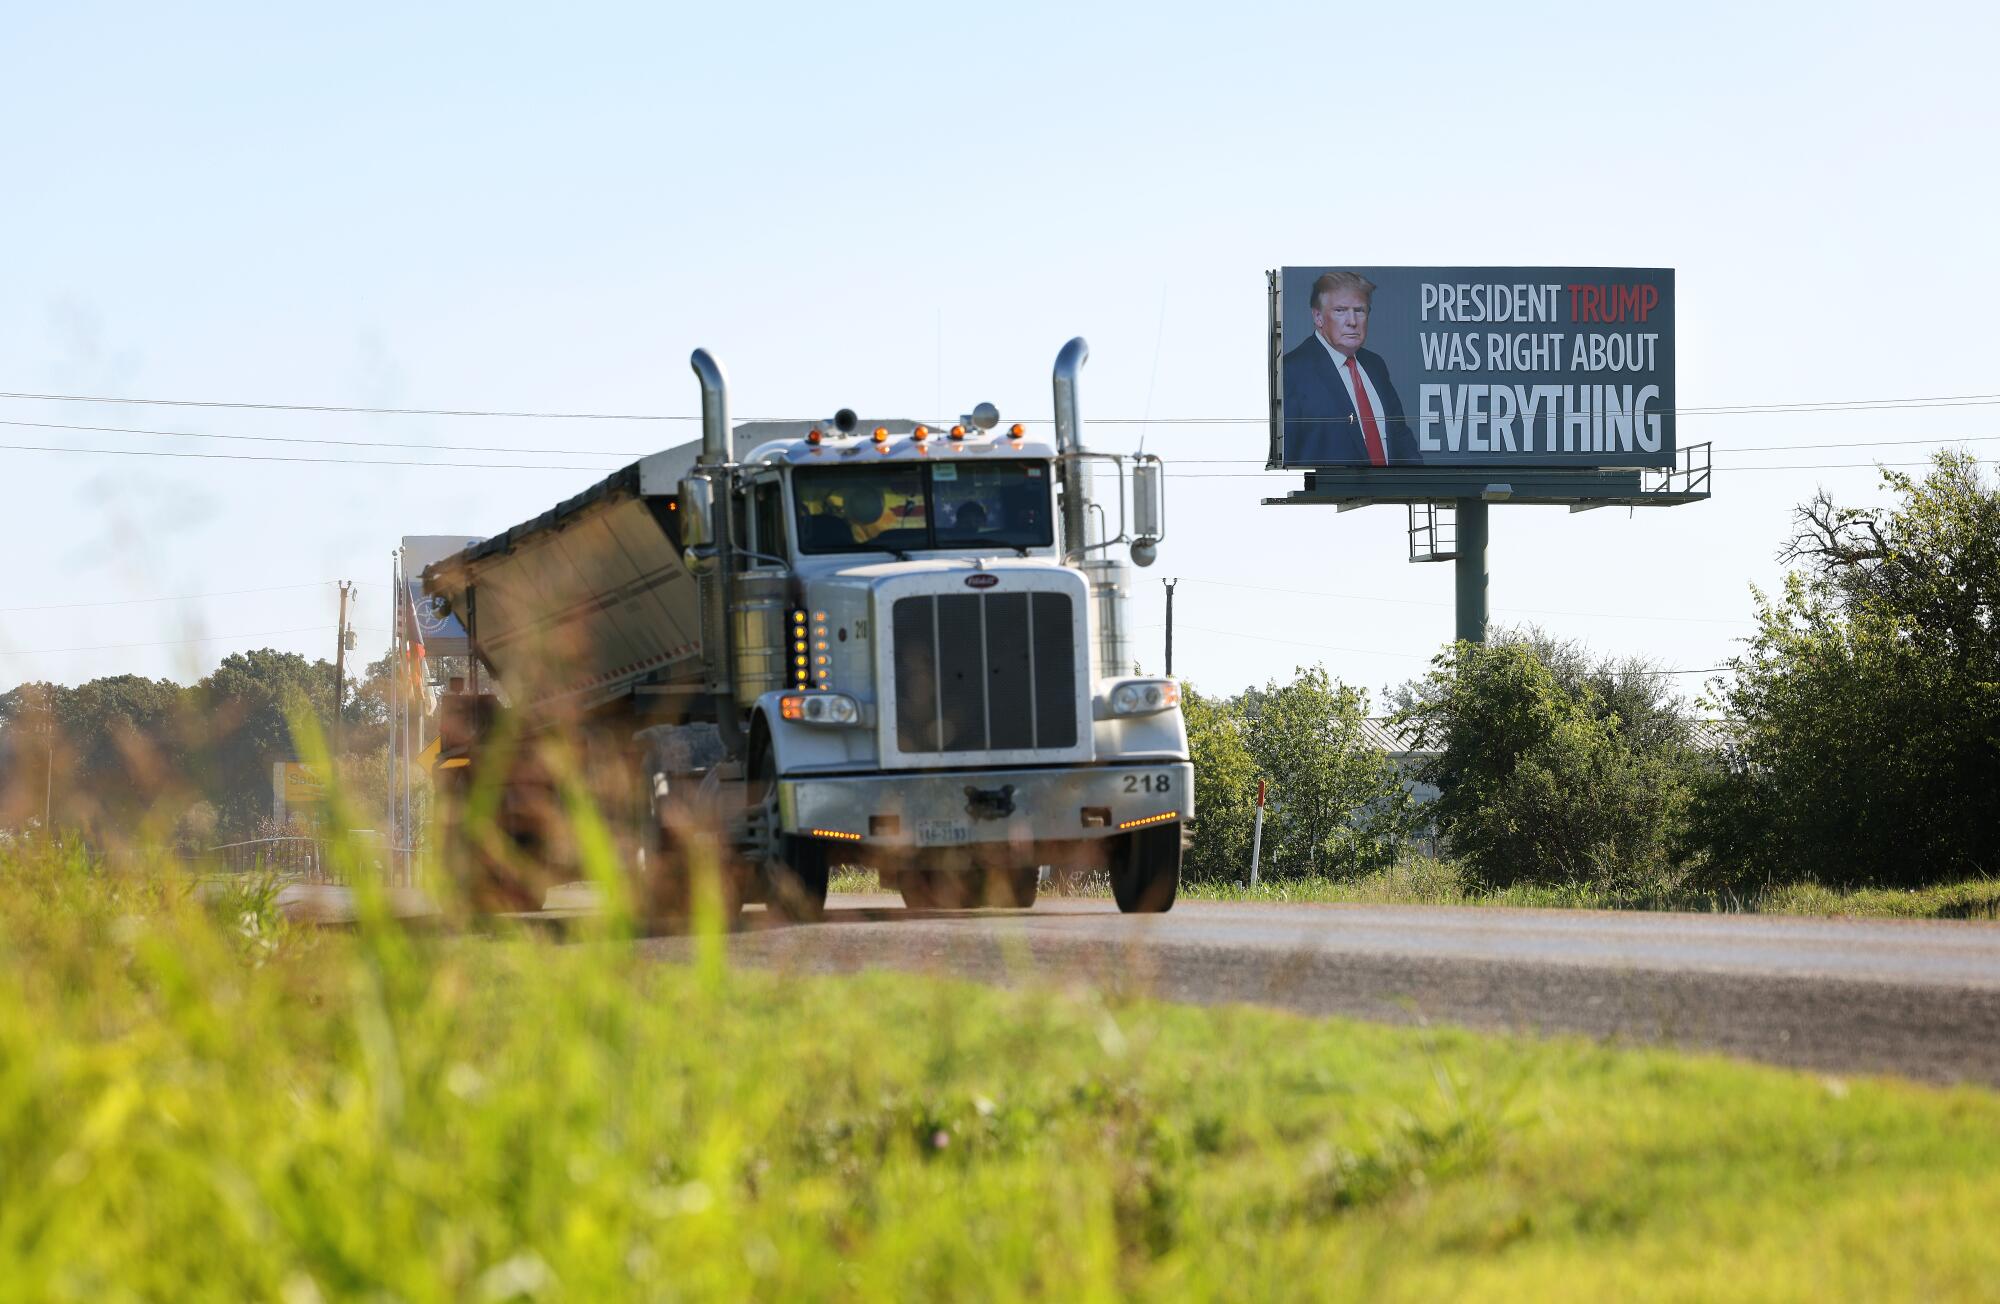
[
  {"x": 1013, "y": 889},
  {"x": 1146, "y": 870},
  {"x": 922, "y": 889},
  {"x": 970, "y": 889},
  {"x": 683, "y": 849},
  {"x": 796, "y": 876},
  {"x": 795, "y": 881}
]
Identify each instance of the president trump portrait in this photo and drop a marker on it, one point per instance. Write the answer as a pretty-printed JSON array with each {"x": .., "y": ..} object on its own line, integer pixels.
[{"x": 1341, "y": 408}]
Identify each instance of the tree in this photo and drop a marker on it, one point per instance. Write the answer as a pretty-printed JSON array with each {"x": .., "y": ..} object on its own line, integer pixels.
[
  {"x": 130, "y": 755},
  {"x": 1225, "y": 787},
  {"x": 1867, "y": 705},
  {"x": 244, "y": 708},
  {"x": 1551, "y": 768},
  {"x": 1337, "y": 804}
]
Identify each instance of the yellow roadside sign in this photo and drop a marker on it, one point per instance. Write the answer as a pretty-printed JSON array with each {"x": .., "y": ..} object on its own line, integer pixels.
[
  {"x": 300, "y": 785},
  {"x": 428, "y": 757}
]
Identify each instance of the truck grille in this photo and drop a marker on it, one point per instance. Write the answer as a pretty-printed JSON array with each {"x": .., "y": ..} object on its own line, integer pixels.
[{"x": 982, "y": 672}]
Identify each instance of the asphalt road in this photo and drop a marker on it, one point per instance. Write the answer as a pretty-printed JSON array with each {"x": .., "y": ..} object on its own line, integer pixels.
[{"x": 1921, "y": 999}]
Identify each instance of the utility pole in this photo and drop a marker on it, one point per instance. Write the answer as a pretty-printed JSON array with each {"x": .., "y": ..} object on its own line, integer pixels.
[
  {"x": 49, "y": 763},
  {"x": 340, "y": 669},
  {"x": 1170, "y": 622}
]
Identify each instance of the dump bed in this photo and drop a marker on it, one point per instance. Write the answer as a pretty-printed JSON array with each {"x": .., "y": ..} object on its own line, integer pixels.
[{"x": 589, "y": 601}]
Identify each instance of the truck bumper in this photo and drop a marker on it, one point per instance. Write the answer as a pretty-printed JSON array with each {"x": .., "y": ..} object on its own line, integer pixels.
[{"x": 968, "y": 808}]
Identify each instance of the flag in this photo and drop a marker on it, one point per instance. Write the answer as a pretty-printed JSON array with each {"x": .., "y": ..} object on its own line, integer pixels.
[{"x": 413, "y": 642}]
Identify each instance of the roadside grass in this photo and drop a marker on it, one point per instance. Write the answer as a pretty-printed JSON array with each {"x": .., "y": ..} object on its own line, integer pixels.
[
  {"x": 1422, "y": 880},
  {"x": 199, "y": 1100}
]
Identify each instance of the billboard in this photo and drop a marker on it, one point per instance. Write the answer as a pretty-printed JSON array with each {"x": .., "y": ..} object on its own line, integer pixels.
[
  {"x": 443, "y": 635},
  {"x": 1404, "y": 367}
]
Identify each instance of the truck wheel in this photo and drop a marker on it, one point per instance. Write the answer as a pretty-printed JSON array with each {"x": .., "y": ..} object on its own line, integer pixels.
[
  {"x": 796, "y": 876},
  {"x": 795, "y": 880},
  {"x": 920, "y": 888},
  {"x": 670, "y": 890},
  {"x": 1013, "y": 889},
  {"x": 1146, "y": 870}
]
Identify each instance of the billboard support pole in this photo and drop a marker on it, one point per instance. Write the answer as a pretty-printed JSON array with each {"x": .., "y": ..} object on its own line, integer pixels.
[{"x": 1471, "y": 570}]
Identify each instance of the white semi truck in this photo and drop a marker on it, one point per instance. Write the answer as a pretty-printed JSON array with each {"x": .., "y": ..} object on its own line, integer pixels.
[{"x": 877, "y": 644}]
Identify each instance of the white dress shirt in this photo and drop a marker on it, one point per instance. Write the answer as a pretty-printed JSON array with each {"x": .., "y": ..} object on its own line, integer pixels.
[{"x": 1374, "y": 399}]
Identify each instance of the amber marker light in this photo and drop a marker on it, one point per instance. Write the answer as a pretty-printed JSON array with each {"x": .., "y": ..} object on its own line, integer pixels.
[
  {"x": 812, "y": 436},
  {"x": 921, "y": 433},
  {"x": 1150, "y": 819},
  {"x": 881, "y": 434},
  {"x": 958, "y": 432},
  {"x": 1015, "y": 432}
]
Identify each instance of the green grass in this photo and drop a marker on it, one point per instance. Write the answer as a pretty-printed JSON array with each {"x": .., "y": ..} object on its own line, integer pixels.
[
  {"x": 1420, "y": 880},
  {"x": 198, "y": 1101},
  {"x": 1423, "y": 881}
]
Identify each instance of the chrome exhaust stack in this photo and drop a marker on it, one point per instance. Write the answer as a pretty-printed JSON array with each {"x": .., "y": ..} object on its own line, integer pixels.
[
  {"x": 1106, "y": 577},
  {"x": 714, "y": 408},
  {"x": 709, "y": 487},
  {"x": 1072, "y": 474}
]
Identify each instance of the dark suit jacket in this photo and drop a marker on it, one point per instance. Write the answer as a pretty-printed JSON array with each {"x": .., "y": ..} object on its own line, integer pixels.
[{"x": 1321, "y": 426}]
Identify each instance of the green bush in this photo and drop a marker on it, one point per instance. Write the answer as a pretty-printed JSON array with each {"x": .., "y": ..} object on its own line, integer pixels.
[
  {"x": 1867, "y": 707},
  {"x": 1552, "y": 769},
  {"x": 1335, "y": 803},
  {"x": 1225, "y": 788}
]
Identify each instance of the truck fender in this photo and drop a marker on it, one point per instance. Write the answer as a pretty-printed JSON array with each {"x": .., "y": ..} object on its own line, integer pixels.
[{"x": 795, "y": 746}]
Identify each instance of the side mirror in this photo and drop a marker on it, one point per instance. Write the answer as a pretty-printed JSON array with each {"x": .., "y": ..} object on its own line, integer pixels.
[
  {"x": 1149, "y": 508},
  {"x": 697, "y": 512}
]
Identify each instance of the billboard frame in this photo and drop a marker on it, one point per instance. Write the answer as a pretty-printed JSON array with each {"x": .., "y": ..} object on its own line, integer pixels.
[{"x": 1470, "y": 491}]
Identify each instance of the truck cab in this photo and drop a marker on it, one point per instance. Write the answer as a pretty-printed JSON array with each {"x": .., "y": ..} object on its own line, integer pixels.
[
  {"x": 881, "y": 644},
  {"x": 943, "y": 697}
]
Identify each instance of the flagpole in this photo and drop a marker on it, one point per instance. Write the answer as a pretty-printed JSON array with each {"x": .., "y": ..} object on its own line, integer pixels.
[
  {"x": 394, "y": 791},
  {"x": 413, "y": 719}
]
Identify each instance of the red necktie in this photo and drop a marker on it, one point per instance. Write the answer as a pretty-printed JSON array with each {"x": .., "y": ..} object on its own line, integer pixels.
[{"x": 1376, "y": 457}]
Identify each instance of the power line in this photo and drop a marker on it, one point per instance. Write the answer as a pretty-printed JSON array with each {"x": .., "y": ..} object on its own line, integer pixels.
[
  {"x": 1495, "y": 468},
  {"x": 1317, "y": 647},
  {"x": 1824, "y": 466},
  {"x": 166, "y": 642},
  {"x": 178, "y": 597},
  {"x": 342, "y": 443},
  {"x": 344, "y": 408},
  {"x": 1731, "y": 448},
  {"x": 1405, "y": 656},
  {"x": 565, "y": 466},
  {"x": 317, "y": 461},
  {"x": 1726, "y": 409},
  {"x": 1864, "y": 443},
  {"x": 1423, "y": 602},
  {"x": 618, "y": 453}
]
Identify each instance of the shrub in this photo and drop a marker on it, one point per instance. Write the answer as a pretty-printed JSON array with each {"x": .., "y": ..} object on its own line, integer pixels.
[
  {"x": 1867, "y": 706},
  {"x": 1552, "y": 769}
]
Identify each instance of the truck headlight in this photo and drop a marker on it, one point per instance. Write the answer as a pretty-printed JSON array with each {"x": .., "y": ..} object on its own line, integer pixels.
[
  {"x": 1145, "y": 696},
  {"x": 820, "y": 708}
]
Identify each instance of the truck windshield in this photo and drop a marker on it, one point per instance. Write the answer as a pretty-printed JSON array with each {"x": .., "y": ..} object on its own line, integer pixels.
[{"x": 904, "y": 507}]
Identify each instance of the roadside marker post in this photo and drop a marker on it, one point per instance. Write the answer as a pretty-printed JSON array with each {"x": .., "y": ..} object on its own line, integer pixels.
[{"x": 1257, "y": 838}]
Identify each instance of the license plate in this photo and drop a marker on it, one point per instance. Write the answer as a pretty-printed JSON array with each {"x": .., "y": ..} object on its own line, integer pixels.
[{"x": 942, "y": 833}]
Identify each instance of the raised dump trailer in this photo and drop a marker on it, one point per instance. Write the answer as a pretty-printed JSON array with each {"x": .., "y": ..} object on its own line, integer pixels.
[{"x": 878, "y": 644}]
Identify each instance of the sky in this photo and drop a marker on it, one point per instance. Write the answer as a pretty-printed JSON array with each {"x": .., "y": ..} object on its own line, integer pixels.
[{"x": 907, "y": 210}]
